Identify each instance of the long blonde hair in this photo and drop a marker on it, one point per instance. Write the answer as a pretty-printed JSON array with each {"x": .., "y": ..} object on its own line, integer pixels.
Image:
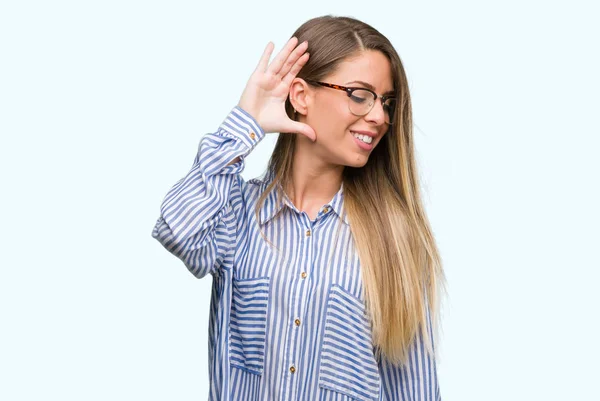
[{"x": 401, "y": 267}]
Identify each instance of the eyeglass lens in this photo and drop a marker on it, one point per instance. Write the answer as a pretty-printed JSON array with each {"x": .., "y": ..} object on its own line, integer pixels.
[{"x": 362, "y": 101}]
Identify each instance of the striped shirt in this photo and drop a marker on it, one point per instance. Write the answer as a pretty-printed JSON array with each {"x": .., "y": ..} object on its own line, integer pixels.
[{"x": 286, "y": 323}]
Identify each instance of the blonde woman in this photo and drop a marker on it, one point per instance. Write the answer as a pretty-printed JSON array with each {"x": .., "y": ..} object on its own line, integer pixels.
[{"x": 326, "y": 275}]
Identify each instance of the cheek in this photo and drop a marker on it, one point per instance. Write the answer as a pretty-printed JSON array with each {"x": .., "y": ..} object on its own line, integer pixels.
[
  {"x": 333, "y": 119},
  {"x": 343, "y": 114},
  {"x": 335, "y": 108}
]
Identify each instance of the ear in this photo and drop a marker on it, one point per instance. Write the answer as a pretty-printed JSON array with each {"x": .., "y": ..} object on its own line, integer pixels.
[{"x": 300, "y": 95}]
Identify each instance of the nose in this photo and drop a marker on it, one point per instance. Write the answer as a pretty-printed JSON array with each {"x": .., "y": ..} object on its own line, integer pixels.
[{"x": 376, "y": 114}]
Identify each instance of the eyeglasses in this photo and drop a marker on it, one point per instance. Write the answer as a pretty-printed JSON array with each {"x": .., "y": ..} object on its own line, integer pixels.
[{"x": 362, "y": 100}]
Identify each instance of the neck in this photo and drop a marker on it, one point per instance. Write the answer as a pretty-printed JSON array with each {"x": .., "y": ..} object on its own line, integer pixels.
[{"x": 314, "y": 182}]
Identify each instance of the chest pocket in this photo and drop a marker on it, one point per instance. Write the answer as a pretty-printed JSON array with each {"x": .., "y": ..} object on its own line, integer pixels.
[
  {"x": 347, "y": 363},
  {"x": 248, "y": 325}
]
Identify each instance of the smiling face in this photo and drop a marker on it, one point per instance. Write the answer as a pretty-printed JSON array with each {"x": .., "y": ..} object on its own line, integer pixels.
[{"x": 328, "y": 113}]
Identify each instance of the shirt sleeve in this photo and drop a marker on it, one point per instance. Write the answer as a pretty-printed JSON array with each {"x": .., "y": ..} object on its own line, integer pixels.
[
  {"x": 415, "y": 381},
  {"x": 197, "y": 221}
]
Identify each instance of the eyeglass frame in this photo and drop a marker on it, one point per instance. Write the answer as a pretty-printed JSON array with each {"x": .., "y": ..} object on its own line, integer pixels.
[{"x": 350, "y": 89}]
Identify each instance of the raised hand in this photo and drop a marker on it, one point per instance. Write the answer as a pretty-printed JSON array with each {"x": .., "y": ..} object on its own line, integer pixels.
[{"x": 268, "y": 87}]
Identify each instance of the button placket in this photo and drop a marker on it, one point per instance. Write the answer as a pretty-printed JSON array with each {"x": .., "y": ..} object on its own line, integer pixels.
[{"x": 299, "y": 300}]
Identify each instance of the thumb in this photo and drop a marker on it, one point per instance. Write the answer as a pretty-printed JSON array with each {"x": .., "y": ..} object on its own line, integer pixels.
[{"x": 303, "y": 129}]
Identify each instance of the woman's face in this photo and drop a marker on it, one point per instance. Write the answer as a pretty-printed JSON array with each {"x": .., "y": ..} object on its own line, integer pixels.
[{"x": 328, "y": 114}]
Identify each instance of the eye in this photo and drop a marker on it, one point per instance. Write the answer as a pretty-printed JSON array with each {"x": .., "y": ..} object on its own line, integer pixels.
[{"x": 361, "y": 96}]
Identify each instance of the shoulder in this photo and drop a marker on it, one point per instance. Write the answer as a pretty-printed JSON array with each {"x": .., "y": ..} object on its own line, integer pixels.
[
  {"x": 250, "y": 190},
  {"x": 255, "y": 187}
]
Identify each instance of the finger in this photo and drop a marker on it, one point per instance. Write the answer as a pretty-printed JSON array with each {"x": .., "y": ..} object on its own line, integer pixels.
[
  {"x": 293, "y": 58},
  {"x": 282, "y": 56},
  {"x": 301, "y": 128},
  {"x": 287, "y": 80},
  {"x": 264, "y": 60}
]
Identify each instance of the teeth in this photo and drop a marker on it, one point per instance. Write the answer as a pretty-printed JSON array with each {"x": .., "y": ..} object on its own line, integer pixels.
[{"x": 364, "y": 138}]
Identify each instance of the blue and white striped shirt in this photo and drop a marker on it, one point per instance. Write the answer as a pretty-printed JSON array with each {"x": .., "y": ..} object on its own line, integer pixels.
[{"x": 289, "y": 325}]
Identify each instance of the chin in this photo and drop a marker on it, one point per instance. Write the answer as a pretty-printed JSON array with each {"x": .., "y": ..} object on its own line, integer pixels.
[{"x": 357, "y": 162}]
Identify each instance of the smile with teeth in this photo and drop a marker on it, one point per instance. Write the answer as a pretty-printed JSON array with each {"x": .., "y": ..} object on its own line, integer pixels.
[{"x": 364, "y": 138}]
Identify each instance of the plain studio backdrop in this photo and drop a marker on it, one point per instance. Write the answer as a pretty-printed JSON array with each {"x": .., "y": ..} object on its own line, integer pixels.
[{"x": 103, "y": 105}]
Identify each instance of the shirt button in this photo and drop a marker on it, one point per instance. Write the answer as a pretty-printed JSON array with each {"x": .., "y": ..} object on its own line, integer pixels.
[
  {"x": 297, "y": 321},
  {"x": 308, "y": 233},
  {"x": 325, "y": 210},
  {"x": 252, "y": 135},
  {"x": 303, "y": 275},
  {"x": 292, "y": 369}
]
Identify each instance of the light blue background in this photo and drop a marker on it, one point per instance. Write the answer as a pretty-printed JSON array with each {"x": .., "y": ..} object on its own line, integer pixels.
[{"x": 103, "y": 104}]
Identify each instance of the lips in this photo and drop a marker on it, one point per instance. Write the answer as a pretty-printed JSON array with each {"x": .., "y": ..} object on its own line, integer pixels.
[
  {"x": 368, "y": 133},
  {"x": 363, "y": 145}
]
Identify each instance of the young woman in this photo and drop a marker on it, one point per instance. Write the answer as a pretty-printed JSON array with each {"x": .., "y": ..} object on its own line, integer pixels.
[{"x": 325, "y": 272}]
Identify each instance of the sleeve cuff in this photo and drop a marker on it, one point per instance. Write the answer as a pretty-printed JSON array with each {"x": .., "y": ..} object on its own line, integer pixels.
[{"x": 240, "y": 125}]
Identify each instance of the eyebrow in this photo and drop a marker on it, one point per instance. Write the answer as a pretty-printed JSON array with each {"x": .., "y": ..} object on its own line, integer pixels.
[{"x": 369, "y": 86}]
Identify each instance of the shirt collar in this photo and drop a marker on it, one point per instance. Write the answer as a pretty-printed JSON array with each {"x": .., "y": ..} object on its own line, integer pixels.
[{"x": 271, "y": 207}]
